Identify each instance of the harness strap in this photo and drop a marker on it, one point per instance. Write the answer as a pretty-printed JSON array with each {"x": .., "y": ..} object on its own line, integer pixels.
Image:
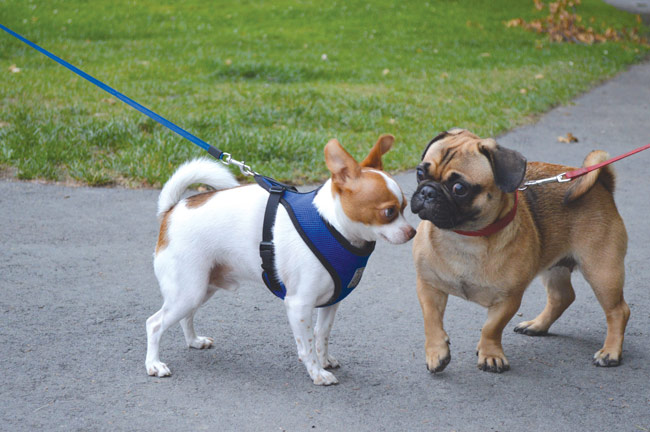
[
  {"x": 267, "y": 248},
  {"x": 344, "y": 262}
]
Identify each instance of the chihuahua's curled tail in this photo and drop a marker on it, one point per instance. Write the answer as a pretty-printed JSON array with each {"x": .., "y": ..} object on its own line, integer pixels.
[
  {"x": 604, "y": 175},
  {"x": 203, "y": 171}
]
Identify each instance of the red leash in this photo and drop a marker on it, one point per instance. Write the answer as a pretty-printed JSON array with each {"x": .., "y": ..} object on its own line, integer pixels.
[
  {"x": 582, "y": 171},
  {"x": 568, "y": 176},
  {"x": 561, "y": 178}
]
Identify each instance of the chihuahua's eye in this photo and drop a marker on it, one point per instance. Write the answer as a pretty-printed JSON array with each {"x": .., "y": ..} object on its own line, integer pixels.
[
  {"x": 459, "y": 189},
  {"x": 420, "y": 174},
  {"x": 389, "y": 213}
]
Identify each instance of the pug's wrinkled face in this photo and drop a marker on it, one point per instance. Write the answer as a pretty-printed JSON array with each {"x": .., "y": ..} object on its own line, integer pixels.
[{"x": 462, "y": 180}]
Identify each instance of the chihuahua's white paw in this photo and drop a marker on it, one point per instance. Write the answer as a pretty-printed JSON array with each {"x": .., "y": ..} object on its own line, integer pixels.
[
  {"x": 325, "y": 378},
  {"x": 329, "y": 362},
  {"x": 201, "y": 342},
  {"x": 158, "y": 369}
]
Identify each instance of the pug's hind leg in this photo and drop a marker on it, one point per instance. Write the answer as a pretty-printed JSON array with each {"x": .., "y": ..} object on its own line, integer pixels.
[
  {"x": 560, "y": 295},
  {"x": 436, "y": 345},
  {"x": 606, "y": 278}
]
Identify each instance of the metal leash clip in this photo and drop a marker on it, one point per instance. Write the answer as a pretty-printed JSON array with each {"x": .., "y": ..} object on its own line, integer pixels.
[
  {"x": 226, "y": 159},
  {"x": 560, "y": 178}
]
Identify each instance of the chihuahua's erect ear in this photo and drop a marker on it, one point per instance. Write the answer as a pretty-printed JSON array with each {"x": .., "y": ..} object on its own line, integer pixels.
[
  {"x": 508, "y": 166},
  {"x": 342, "y": 166},
  {"x": 383, "y": 144}
]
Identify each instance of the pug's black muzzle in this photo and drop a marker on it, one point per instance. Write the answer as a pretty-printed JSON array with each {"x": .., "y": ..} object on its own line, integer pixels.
[{"x": 431, "y": 202}]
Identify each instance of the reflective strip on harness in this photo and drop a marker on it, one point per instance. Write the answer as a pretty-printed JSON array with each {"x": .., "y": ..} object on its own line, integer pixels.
[{"x": 343, "y": 261}]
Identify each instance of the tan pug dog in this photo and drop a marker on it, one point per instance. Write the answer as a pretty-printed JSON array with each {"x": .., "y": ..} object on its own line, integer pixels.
[{"x": 467, "y": 184}]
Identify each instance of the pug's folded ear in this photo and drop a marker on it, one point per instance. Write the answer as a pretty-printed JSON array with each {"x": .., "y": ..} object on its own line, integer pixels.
[{"x": 508, "y": 166}]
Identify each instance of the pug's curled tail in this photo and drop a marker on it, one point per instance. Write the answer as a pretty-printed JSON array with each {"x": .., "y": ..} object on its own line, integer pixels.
[{"x": 604, "y": 175}]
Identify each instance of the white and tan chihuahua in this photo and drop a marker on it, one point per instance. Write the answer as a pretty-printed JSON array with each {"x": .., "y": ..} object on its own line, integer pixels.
[{"x": 210, "y": 241}]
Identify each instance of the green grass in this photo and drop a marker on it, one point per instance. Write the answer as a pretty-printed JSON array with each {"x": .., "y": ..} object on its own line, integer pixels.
[{"x": 248, "y": 78}]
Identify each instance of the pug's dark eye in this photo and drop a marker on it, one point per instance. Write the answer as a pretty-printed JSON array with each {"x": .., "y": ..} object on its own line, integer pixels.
[
  {"x": 459, "y": 189},
  {"x": 419, "y": 173}
]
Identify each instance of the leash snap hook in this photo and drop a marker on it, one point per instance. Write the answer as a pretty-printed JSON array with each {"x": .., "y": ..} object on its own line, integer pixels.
[
  {"x": 226, "y": 159},
  {"x": 562, "y": 178},
  {"x": 245, "y": 169}
]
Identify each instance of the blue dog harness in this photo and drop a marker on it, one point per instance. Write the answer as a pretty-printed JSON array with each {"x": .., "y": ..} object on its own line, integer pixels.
[{"x": 343, "y": 261}]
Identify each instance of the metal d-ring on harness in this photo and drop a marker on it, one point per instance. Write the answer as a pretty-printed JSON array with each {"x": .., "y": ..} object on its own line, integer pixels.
[{"x": 343, "y": 261}]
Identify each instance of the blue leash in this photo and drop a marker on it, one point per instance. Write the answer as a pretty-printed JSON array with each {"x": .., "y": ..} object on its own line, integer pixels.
[
  {"x": 224, "y": 157},
  {"x": 344, "y": 263}
]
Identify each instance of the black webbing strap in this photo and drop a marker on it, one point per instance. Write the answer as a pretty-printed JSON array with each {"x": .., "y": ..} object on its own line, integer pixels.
[{"x": 267, "y": 248}]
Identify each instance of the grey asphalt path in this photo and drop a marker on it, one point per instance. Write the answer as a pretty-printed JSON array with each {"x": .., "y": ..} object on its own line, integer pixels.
[{"x": 76, "y": 285}]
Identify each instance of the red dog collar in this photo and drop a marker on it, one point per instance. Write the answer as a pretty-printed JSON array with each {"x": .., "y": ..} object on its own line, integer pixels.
[{"x": 493, "y": 227}]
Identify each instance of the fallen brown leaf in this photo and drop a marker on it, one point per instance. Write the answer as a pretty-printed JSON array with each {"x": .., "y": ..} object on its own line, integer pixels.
[
  {"x": 563, "y": 24},
  {"x": 569, "y": 138},
  {"x": 517, "y": 22}
]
